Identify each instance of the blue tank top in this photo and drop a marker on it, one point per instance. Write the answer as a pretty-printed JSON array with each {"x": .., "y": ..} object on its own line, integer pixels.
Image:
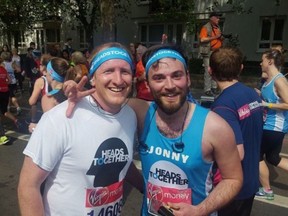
[
  {"x": 174, "y": 176},
  {"x": 275, "y": 120}
]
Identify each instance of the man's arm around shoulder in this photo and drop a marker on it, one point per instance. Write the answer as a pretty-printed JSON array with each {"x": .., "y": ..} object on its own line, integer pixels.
[{"x": 140, "y": 107}]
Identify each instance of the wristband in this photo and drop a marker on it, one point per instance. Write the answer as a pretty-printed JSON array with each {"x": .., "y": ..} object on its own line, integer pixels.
[{"x": 269, "y": 105}]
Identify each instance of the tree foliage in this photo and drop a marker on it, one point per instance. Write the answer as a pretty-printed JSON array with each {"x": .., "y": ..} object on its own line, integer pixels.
[
  {"x": 238, "y": 6},
  {"x": 91, "y": 14},
  {"x": 19, "y": 14},
  {"x": 94, "y": 14},
  {"x": 184, "y": 10}
]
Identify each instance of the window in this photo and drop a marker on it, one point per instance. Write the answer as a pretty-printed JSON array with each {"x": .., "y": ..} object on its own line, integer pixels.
[
  {"x": 151, "y": 34},
  {"x": 143, "y": 33},
  {"x": 53, "y": 35},
  {"x": 164, "y": 6},
  {"x": 155, "y": 33},
  {"x": 20, "y": 40},
  {"x": 83, "y": 40},
  {"x": 271, "y": 31}
]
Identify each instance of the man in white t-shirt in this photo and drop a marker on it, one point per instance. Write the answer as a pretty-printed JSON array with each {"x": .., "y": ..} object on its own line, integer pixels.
[{"x": 84, "y": 160}]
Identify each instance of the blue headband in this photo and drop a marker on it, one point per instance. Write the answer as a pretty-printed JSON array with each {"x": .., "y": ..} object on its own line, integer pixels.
[
  {"x": 164, "y": 53},
  {"x": 53, "y": 73},
  {"x": 108, "y": 54}
]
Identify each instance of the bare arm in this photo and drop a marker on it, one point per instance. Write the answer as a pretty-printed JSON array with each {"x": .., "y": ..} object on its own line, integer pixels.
[
  {"x": 205, "y": 38},
  {"x": 29, "y": 196},
  {"x": 38, "y": 86},
  {"x": 241, "y": 151},
  {"x": 223, "y": 149},
  {"x": 208, "y": 39},
  {"x": 140, "y": 107},
  {"x": 225, "y": 153}
]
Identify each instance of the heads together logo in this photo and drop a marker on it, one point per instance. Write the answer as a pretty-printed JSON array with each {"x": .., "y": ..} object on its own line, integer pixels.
[
  {"x": 109, "y": 160},
  {"x": 168, "y": 174}
]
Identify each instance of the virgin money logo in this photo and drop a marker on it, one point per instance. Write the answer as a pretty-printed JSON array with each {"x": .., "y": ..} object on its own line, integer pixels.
[
  {"x": 154, "y": 192},
  {"x": 97, "y": 197}
]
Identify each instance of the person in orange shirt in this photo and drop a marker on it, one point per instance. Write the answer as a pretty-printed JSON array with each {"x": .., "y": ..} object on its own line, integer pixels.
[
  {"x": 210, "y": 40},
  {"x": 142, "y": 88}
]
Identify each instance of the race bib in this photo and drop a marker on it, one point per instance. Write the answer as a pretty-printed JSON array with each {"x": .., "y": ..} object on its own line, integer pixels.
[
  {"x": 105, "y": 200},
  {"x": 158, "y": 196}
]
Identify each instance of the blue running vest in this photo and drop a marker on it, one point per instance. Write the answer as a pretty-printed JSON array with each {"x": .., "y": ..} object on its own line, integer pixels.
[
  {"x": 276, "y": 120},
  {"x": 172, "y": 176}
]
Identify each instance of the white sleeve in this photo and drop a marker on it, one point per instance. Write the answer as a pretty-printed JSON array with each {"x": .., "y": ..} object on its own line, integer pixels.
[{"x": 46, "y": 145}]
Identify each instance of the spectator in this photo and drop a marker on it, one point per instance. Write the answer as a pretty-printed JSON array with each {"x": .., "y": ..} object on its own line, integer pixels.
[
  {"x": 32, "y": 45},
  {"x": 5, "y": 48},
  {"x": 68, "y": 46},
  {"x": 142, "y": 88},
  {"x": 132, "y": 48},
  {"x": 164, "y": 39},
  {"x": 66, "y": 55},
  {"x": 86, "y": 53},
  {"x": 210, "y": 40},
  {"x": 55, "y": 50}
]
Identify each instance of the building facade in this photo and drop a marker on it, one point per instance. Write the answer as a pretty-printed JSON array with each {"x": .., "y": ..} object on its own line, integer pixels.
[{"x": 253, "y": 32}]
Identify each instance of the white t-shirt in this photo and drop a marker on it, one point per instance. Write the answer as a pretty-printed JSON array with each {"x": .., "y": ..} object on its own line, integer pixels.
[
  {"x": 10, "y": 71},
  {"x": 87, "y": 156}
]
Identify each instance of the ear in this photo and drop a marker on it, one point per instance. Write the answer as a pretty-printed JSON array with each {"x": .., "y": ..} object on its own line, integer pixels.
[{"x": 92, "y": 82}]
